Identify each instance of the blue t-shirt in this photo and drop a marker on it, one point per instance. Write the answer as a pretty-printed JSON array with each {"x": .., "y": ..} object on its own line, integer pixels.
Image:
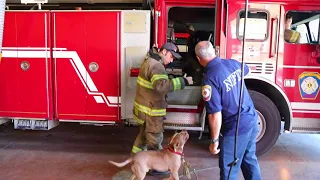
[{"x": 221, "y": 92}]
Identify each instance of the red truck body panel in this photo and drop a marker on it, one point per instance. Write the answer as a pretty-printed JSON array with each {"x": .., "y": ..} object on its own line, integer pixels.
[
  {"x": 59, "y": 83},
  {"x": 298, "y": 62},
  {"x": 80, "y": 93},
  {"x": 26, "y": 93},
  {"x": 292, "y": 61}
]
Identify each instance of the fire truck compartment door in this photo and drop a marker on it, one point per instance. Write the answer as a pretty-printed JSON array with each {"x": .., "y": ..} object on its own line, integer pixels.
[
  {"x": 70, "y": 93},
  {"x": 25, "y": 73},
  {"x": 103, "y": 49},
  {"x": 87, "y": 65},
  {"x": 262, "y": 32},
  {"x": 300, "y": 68}
]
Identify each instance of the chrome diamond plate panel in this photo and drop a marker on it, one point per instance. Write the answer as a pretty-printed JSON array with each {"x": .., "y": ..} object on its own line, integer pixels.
[
  {"x": 131, "y": 40},
  {"x": 190, "y": 95}
]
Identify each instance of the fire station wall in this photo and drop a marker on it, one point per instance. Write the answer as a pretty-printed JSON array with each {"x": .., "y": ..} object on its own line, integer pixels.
[{"x": 25, "y": 71}]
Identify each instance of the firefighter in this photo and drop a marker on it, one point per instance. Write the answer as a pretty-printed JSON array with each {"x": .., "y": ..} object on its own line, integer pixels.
[
  {"x": 150, "y": 104},
  {"x": 192, "y": 66},
  {"x": 220, "y": 91},
  {"x": 290, "y": 35}
]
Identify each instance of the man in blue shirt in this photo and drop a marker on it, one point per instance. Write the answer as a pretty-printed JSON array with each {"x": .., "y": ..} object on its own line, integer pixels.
[{"x": 221, "y": 92}]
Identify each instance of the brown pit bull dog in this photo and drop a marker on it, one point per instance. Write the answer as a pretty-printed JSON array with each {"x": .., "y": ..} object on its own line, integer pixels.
[{"x": 162, "y": 160}]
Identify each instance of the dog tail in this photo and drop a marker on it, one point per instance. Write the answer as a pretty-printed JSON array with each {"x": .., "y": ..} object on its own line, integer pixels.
[{"x": 121, "y": 164}]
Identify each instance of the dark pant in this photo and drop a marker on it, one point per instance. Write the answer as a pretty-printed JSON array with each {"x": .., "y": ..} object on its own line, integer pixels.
[
  {"x": 246, "y": 152},
  {"x": 150, "y": 136}
]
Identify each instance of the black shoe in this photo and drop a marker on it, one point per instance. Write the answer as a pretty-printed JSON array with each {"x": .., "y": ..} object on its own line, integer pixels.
[{"x": 154, "y": 173}]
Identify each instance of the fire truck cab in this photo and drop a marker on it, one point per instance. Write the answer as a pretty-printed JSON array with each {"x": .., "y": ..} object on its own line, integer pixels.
[
  {"x": 284, "y": 80},
  {"x": 67, "y": 64}
]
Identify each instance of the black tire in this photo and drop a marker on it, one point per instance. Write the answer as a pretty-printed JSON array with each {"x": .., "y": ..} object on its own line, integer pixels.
[{"x": 272, "y": 124}]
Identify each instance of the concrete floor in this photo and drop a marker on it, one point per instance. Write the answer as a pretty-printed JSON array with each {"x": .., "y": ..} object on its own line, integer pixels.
[{"x": 73, "y": 151}]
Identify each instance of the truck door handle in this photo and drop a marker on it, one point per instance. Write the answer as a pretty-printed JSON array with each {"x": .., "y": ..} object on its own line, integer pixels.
[
  {"x": 93, "y": 66},
  {"x": 273, "y": 45},
  {"x": 25, "y": 65}
]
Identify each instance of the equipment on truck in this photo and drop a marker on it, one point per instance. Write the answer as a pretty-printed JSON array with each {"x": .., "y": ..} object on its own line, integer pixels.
[{"x": 54, "y": 70}]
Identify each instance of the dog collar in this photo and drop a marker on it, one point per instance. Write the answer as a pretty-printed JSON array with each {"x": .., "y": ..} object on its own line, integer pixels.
[{"x": 179, "y": 153}]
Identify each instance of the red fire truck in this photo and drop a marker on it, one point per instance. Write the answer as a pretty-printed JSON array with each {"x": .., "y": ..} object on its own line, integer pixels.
[{"x": 62, "y": 64}]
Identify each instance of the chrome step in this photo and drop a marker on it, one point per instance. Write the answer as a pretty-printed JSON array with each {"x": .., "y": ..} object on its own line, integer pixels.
[
  {"x": 305, "y": 125},
  {"x": 29, "y": 124},
  {"x": 184, "y": 120},
  {"x": 182, "y": 106},
  {"x": 3, "y": 121},
  {"x": 180, "y": 121},
  {"x": 306, "y": 130},
  {"x": 190, "y": 95},
  {"x": 190, "y": 127}
]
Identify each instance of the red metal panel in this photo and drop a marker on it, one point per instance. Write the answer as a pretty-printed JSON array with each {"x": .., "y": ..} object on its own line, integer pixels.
[
  {"x": 306, "y": 114},
  {"x": 220, "y": 27},
  {"x": 191, "y": 2},
  {"x": 260, "y": 48},
  {"x": 302, "y": 2},
  {"x": 80, "y": 93},
  {"x": 295, "y": 62},
  {"x": 70, "y": 92},
  {"x": 31, "y": 90},
  {"x": 103, "y": 48},
  {"x": 8, "y": 69}
]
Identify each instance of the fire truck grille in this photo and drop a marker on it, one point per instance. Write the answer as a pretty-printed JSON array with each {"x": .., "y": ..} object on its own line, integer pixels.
[{"x": 262, "y": 68}]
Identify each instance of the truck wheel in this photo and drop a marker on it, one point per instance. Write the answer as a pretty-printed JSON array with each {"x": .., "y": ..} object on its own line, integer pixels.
[{"x": 269, "y": 122}]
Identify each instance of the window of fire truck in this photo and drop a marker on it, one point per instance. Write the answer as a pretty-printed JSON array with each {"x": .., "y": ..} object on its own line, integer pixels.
[
  {"x": 314, "y": 29},
  {"x": 184, "y": 19},
  {"x": 307, "y": 25},
  {"x": 257, "y": 25},
  {"x": 199, "y": 18}
]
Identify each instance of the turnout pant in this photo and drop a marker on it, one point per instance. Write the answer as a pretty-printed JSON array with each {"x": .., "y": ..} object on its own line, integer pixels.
[
  {"x": 246, "y": 152},
  {"x": 150, "y": 136}
]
